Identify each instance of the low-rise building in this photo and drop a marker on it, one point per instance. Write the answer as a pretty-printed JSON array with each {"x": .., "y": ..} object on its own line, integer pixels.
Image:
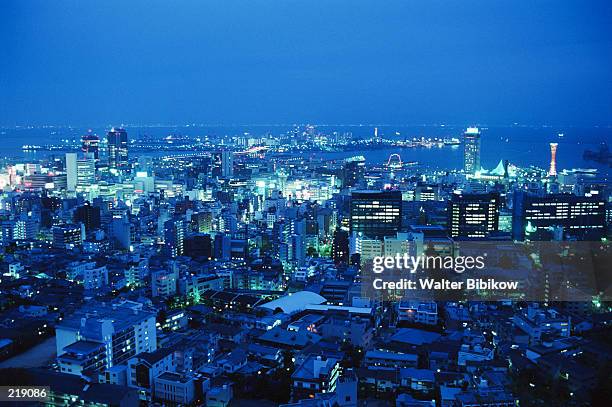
[{"x": 314, "y": 375}]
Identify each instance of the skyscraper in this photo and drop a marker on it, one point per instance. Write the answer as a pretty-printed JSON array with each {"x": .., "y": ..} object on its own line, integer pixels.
[
  {"x": 376, "y": 214},
  {"x": 86, "y": 172},
  {"x": 88, "y": 215},
  {"x": 71, "y": 171},
  {"x": 473, "y": 215},
  {"x": 67, "y": 235},
  {"x": 353, "y": 171},
  {"x": 340, "y": 246},
  {"x": 174, "y": 236},
  {"x": 90, "y": 144},
  {"x": 117, "y": 148},
  {"x": 471, "y": 150},
  {"x": 537, "y": 217},
  {"x": 227, "y": 163}
]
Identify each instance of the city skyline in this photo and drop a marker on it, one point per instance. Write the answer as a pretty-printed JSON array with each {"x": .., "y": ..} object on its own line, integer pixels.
[{"x": 223, "y": 203}]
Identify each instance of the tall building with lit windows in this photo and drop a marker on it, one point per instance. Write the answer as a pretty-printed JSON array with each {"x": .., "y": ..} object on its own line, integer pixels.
[
  {"x": 174, "y": 236},
  {"x": 340, "y": 246},
  {"x": 71, "y": 171},
  {"x": 352, "y": 171},
  {"x": 542, "y": 217},
  {"x": 222, "y": 163},
  {"x": 376, "y": 214},
  {"x": 227, "y": 163},
  {"x": 99, "y": 336},
  {"x": 117, "y": 148},
  {"x": 471, "y": 150},
  {"x": 90, "y": 144},
  {"x": 85, "y": 173},
  {"x": 473, "y": 216},
  {"x": 67, "y": 236}
]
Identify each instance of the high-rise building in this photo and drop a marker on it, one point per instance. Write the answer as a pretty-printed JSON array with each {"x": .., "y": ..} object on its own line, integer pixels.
[
  {"x": 366, "y": 248},
  {"x": 117, "y": 148},
  {"x": 174, "y": 236},
  {"x": 88, "y": 215},
  {"x": 471, "y": 150},
  {"x": 67, "y": 235},
  {"x": 90, "y": 144},
  {"x": 86, "y": 173},
  {"x": 71, "y": 171},
  {"x": 95, "y": 278},
  {"x": 121, "y": 231},
  {"x": 552, "y": 172},
  {"x": 473, "y": 215},
  {"x": 424, "y": 192},
  {"x": 47, "y": 181},
  {"x": 411, "y": 243},
  {"x": 353, "y": 171},
  {"x": 222, "y": 163},
  {"x": 199, "y": 245},
  {"x": 340, "y": 246},
  {"x": 538, "y": 217},
  {"x": 376, "y": 214},
  {"x": 6, "y": 232},
  {"x": 25, "y": 228},
  {"x": 164, "y": 283},
  {"x": 227, "y": 163},
  {"x": 202, "y": 222},
  {"x": 100, "y": 336}
]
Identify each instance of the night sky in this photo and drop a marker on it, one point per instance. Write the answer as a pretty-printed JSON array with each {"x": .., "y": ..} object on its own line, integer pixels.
[{"x": 323, "y": 61}]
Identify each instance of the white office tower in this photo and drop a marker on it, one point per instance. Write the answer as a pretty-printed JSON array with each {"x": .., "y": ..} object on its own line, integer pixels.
[
  {"x": 86, "y": 173},
  {"x": 71, "y": 172}
]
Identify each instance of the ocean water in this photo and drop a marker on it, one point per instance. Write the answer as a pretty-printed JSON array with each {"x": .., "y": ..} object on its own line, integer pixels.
[{"x": 521, "y": 145}]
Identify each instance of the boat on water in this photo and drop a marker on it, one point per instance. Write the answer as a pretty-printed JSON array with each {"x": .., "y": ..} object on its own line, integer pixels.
[{"x": 451, "y": 141}]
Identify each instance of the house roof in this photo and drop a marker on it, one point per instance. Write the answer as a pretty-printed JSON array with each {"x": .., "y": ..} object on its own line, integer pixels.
[
  {"x": 417, "y": 374},
  {"x": 297, "y": 339},
  {"x": 313, "y": 367},
  {"x": 83, "y": 347},
  {"x": 382, "y": 354},
  {"x": 295, "y": 302},
  {"x": 415, "y": 336}
]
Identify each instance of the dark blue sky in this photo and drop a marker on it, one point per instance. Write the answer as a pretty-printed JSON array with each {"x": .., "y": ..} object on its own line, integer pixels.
[{"x": 324, "y": 61}]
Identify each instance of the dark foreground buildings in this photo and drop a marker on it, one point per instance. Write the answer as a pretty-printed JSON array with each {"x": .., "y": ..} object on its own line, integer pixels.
[
  {"x": 376, "y": 214},
  {"x": 558, "y": 215}
]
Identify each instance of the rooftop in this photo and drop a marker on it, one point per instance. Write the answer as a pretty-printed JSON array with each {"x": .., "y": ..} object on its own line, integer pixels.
[
  {"x": 295, "y": 302},
  {"x": 83, "y": 347}
]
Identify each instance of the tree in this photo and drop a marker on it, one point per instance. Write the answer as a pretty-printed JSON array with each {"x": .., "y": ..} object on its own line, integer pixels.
[
  {"x": 312, "y": 252},
  {"x": 161, "y": 316}
]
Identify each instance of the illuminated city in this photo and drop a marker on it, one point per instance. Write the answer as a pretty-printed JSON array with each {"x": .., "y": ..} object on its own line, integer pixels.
[{"x": 159, "y": 247}]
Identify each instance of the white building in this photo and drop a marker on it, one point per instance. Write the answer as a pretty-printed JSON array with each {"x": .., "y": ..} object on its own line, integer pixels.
[
  {"x": 174, "y": 388},
  {"x": 95, "y": 277},
  {"x": 163, "y": 283},
  {"x": 86, "y": 173},
  {"x": 421, "y": 312},
  {"x": 100, "y": 336},
  {"x": 71, "y": 171}
]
